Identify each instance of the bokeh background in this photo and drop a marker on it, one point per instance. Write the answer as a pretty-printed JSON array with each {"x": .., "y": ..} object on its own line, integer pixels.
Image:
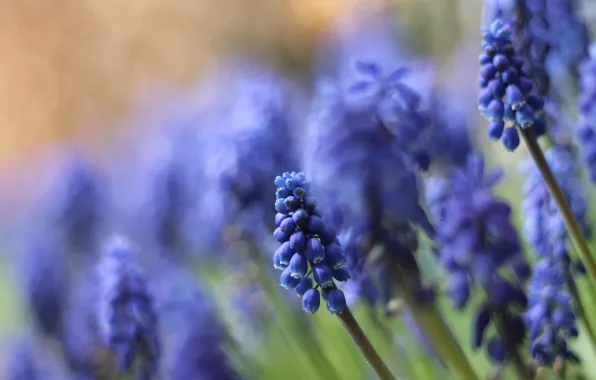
[{"x": 74, "y": 73}]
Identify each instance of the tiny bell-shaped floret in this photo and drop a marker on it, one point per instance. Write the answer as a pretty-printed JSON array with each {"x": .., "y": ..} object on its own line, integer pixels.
[
  {"x": 311, "y": 300},
  {"x": 336, "y": 301}
]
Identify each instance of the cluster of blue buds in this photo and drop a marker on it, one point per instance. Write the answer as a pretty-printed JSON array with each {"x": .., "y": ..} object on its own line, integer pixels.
[
  {"x": 550, "y": 318},
  {"x": 308, "y": 246},
  {"x": 506, "y": 95},
  {"x": 127, "y": 318}
]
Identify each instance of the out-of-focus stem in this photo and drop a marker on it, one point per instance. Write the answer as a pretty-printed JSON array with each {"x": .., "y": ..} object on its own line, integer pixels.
[
  {"x": 573, "y": 226},
  {"x": 367, "y": 349},
  {"x": 443, "y": 341}
]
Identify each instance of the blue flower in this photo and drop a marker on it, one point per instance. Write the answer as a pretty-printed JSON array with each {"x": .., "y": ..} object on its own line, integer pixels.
[
  {"x": 586, "y": 131},
  {"x": 550, "y": 318},
  {"x": 45, "y": 276},
  {"x": 308, "y": 245},
  {"x": 506, "y": 96},
  {"x": 126, "y": 314},
  {"x": 352, "y": 144},
  {"x": 261, "y": 119},
  {"x": 170, "y": 199},
  {"x": 477, "y": 245},
  {"x": 360, "y": 286},
  {"x": 543, "y": 225},
  {"x": 194, "y": 338},
  {"x": 78, "y": 205},
  {"x": 396, "y": 106}
]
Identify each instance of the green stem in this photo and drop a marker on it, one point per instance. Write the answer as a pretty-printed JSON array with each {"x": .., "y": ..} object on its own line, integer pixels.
[
  {"x": 573, "y": 226},
  {"x": 435, "y": 328},
  {"x": 443, "y": 341},
  {"x": 367, "y": 349}
]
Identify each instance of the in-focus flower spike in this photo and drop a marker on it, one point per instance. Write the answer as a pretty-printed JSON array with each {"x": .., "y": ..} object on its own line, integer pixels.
[
  {"x": 312, "y": 249},
  {"x": 586, "y": 131},
  {"x": 397, "y": 107},
  {"x": 126, "y": 315},
  {"x": 194, "y": 339},
  {"x": 78, "y": 205},
  {"x": 550, "y": 318},
  {"x": 506, "y": 98},
  {"x": 298, "y": 215},
  {"x": 478, "y": 244}
]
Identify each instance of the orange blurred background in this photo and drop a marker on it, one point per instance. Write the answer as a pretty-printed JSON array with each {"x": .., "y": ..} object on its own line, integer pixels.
[{"x": 69, "y": 69}]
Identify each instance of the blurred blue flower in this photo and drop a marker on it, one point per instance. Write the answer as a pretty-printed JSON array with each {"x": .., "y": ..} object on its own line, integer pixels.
[
  {"x": 351, "y": 143},
  {"x": 126, "y": 314},
  {"x": 45, "y": 281},
  {"x": 477, "y": 245},
  {"x": 543, "y": 224},
  {"x": 550, "y": 317},
  {"x": 77, "y": 205},
  {"x": 506, "y": 95},
  {"x": 586, "y": 131},
  {"x": 394, "y": 105}
]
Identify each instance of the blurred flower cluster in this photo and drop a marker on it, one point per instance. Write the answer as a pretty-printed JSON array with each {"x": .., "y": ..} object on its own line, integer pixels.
[{"x": 364, "y": 186}]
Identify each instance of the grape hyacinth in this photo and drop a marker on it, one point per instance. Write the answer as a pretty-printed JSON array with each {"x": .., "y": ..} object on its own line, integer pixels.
[
  {"x": 45, "y": 274},
  {"x": 543, "y": 223},
  {"x": 545, "y": 231},
  {"x": 586, "y": 131},
  {"x": 477, "y": 243},
  {"x": 398, "y": 108},
  {"x": 309, "y": 249},
  {"x": 506, "y": 96},
  {"x": 77, "y": 208},
  {"x": 550, "y": 318},
  {"x": 127, "y": 319}
]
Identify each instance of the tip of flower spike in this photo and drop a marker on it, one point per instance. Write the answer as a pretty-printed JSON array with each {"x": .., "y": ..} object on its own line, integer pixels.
[{"x": 500, "y": 30}]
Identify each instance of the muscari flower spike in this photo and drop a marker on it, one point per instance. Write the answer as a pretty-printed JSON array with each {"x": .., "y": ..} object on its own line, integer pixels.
[
  {"x": 550, "y": 318},
  {"x": 478, "y": 243},
  {"x": 543, "y": 224},
  {"x": 126, "y": 315},
  {"x": 45, "y": 282},
  {"x": 506, "y": 98},
  {"x": 586, "y": 131},
  {"x": 310, "y": 250},
  {"x": 398, "y": 108},
  {"x": 77, "y": 208}
]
